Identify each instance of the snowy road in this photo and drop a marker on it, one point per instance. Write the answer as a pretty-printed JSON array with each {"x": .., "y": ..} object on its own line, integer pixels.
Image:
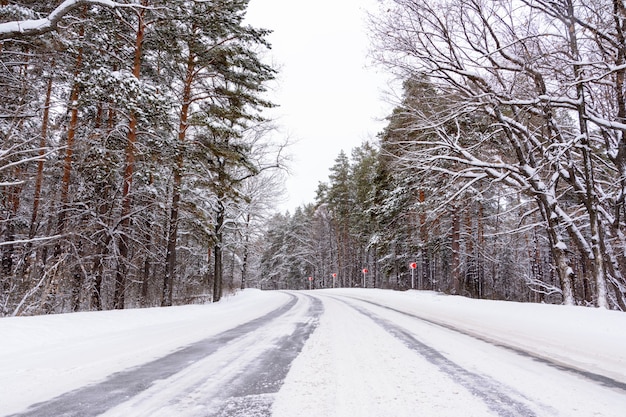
[{"x": 325, "y": 353}]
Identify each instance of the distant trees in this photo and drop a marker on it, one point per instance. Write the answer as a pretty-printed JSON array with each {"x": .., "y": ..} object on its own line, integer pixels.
[
  {"x": 501, "y": 171},
  {"x": 130, "y": 136}
]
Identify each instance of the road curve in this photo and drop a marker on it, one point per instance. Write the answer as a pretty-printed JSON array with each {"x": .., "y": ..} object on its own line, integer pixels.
[
  {"x": 389, "y": 362},
  {"x": 324, "y": 354},
  {"x": 225, "y": 373}
]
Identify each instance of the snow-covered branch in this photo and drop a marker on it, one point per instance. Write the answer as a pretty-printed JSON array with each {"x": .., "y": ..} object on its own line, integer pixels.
[
  {"x": 32, "y": 240},
  {"x": 34, "y": 27}
]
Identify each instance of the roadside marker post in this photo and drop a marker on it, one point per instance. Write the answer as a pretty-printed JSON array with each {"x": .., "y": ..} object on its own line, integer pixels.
[{"x": 413, "y": 266}]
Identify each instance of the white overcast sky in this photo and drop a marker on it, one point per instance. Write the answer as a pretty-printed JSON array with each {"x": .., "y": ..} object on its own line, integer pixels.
[{"x": 331, "y": 98}]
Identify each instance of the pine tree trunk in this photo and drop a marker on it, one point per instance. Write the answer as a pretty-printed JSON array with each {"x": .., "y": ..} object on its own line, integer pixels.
[
  {"x": 147, "y": 265},
  {"x": 172, "y": 237},
  {"x": 69, "y": 149},
  {"x": 343, "y": 273},
  {"x": 102, "y": 247},
  {"x": 52, "y": 288},
  {"x": 218, "y": 273},
  {"x": 246, "y": 251},
  {"x": 218, "y": 277},
  {"x": 455, "y": 265},
  {"x": 170, "y": 257},
  {"x": 120, "y": 275}
]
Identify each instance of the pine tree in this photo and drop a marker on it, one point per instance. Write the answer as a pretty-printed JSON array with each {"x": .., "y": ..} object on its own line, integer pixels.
[{"x": 211, "y": 59}]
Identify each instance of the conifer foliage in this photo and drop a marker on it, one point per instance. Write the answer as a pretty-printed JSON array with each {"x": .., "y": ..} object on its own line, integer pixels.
[
  {"x": 501, "y": 171},
  {"x": 129, "y": 139}
]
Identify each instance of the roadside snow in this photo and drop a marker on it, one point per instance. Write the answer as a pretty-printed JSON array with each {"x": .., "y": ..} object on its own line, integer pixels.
[
  {"x": 45, "y": 356},
  {"x": 350, "y": 365}
]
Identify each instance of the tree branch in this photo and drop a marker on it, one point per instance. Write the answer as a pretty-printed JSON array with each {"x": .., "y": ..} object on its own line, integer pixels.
[{"x": 34, "y": 27}]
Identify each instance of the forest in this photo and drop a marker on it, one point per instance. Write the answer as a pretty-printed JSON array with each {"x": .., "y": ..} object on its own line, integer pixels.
[
  {"x": 137, "y": 167},
  {"x": 501, "y": 171},
  {"x": 133, "y": 152}
]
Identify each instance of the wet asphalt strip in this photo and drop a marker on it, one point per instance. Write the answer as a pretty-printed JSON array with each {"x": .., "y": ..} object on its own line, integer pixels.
[
  {"x": 95, "y": 399},
  {"x": 490, "y": 391},
  {"x": 250, "y": 394}
]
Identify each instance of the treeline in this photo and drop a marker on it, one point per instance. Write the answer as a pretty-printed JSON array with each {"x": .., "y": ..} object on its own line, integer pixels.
[
  {"x": 375, "y": 215},
  {"x": 133, "y": 152},
  {"x": 501, "y": 173}
]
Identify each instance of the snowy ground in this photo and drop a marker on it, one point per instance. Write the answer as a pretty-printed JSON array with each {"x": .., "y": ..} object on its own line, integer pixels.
[{"x": 343, "y": 352}]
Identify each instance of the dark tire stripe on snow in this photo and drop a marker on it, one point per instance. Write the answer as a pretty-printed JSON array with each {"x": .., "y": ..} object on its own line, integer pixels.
[
  {"x": 250, "y": 395},
  {"x": 95, "y": 399},
  {"x": 491, "y": 392},
  {"x": 601, "y": 379}
]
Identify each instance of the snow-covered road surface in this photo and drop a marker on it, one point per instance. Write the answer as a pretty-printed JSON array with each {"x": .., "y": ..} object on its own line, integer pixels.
[
  {"x": 369, "y": 360},
  {"x": 318, "y": 353}
]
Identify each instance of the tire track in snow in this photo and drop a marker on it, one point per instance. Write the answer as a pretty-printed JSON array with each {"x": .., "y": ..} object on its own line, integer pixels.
[
  {"x": 250, "y": 395},
  {"x": 595, "y": 377},
  {"x": 240, "y": 379},
  {"x": 96, "y": 399},
  {"x": 491, "y": 392},
  {"x": 350, "y": 366}
]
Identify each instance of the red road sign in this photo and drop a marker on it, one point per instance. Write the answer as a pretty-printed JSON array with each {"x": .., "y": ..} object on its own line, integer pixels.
[
  {"x": 413, "y": 265},
  {"x": 310, "y": 278},
  {"x": 365, "y": 271},
  {"x": 334, "y": 275}
]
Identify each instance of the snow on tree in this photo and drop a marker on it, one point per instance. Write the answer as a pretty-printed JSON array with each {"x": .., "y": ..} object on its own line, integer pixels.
[
  {"x": 32, "y": 26},
  {"x": 511, "y": 65},
  {"x": 94, "y": 113}
]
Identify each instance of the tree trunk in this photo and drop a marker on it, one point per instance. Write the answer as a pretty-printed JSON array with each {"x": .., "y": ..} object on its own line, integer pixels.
[
  {"x": 481, "y": 248},
  {"x": 590, "y": 199},
  {"x": 40, "y": 164},
  {"x": 246, "y": 251},
  {"x": 71, "y": 135},
  {"x": 218, "y": 254},
  {"x": 95, "y": 302},
  {"x": 13, "y": 193},
  {"x": 619, "y": 16},
  {"x": 172, "y": 237},
  {"x": 52, "y": 287},
  {"x": 218, "y": 273},
  {"x": 455, "y": 265},
  {"x": 120, "y": 275},
  {"x": 471, "y": 278},
  {"x": 423, "y": 276}
]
